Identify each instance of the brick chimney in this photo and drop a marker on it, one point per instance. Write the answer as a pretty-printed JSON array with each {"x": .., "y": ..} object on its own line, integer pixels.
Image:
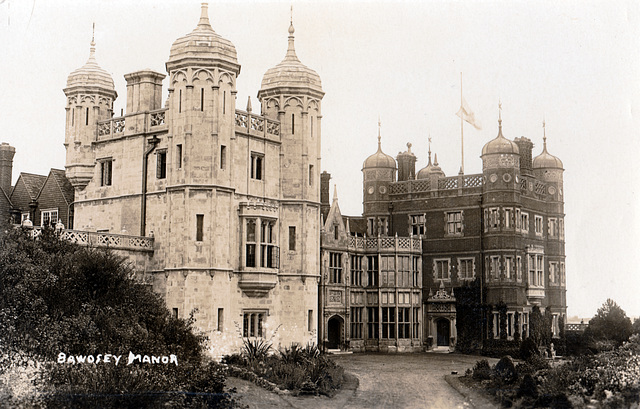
[
  {"x": 325, "y": 204},
  {"x": 6, "y": 166},
  {"x": 406, "y": 165},
  {"x": 525, "y": 147}
]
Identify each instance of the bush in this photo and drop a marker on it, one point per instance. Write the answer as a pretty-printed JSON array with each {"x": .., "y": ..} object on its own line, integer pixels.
[
  {"x": 505, "y": 370},
  {"x": 497, "y": 348},
  {"x": 482, "y": 370},
  {"x": 528, "y": 348}
]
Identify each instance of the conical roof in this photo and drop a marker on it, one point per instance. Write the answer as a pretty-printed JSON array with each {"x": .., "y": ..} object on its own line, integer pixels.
[
  {"x": 290, "y": 72},
  {"x": 91, "y": 75},
  {"x": 203, "y": 46}
]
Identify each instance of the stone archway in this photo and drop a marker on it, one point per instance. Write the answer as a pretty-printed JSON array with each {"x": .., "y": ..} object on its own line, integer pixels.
[
  {"x": 443, "y": 332},
  {"x": 335, "y": 328}
]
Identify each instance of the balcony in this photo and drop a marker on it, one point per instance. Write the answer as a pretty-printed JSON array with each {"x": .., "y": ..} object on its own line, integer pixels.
[
  {"x": 257, "y": 281},
  {"x": 105, "y": 240}
]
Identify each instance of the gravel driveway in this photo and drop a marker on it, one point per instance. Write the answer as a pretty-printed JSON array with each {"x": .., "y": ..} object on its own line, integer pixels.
[{"x": 405, "y": 380}]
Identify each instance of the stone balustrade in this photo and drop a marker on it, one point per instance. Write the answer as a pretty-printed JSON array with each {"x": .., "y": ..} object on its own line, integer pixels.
[
  {"x": 110, "y": 240},
  {"x": 386, "y": 243},
  {"x": 257, "y": 125}
]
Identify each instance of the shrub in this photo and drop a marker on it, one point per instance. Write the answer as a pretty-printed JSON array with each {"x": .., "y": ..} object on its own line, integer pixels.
[
  {"x": 482, "y": 370},
  {"x": 528, "y": 348},
  {"x": 255, "y": 350},
  {"x": 505, "y": 370},
  {"x": 528, "y": 387}
]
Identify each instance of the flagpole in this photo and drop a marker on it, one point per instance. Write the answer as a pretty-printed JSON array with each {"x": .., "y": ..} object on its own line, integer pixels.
[{"x": 461, "y": 129}]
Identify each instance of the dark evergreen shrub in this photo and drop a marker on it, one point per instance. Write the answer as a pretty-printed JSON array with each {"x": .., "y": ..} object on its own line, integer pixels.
[
  {"x": 528, "y": 387},
  {"x": 528, "y": 348},
  {"x": 505, "y": 370},
  {"x": 482, "y": 370}
]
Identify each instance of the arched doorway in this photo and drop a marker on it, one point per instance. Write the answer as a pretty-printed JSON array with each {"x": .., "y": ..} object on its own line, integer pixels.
[
  {"x": 443, "y": 330},
  {"x": 334, "y": 332}
]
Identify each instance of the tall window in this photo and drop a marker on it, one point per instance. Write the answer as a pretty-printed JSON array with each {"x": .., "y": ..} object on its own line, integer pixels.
[
  {"x": 508, "y": 218},
  {"x": 48, "y": 217},
  {"x": 199, "y": 226},
  {"x": 536, "y": 268},
  {"x": 519, "y": 268},
  {"x": 493, "y": 218},
  {"x": 388, "y": 271},
  {"x": 253, "y": 324},
  {"x": 106, "y": 168},
  {"x": 310, "y": 175},
  {"x": 538, "y": 224},
  {"x": 553, "y": 227},
  {"x": 257, "y": 165},
  {"x": 179, "y": 156},
  {"x": 201, "y": 99},
  {"x": 415, "y": 270},
  {"x": 223, "y": 157},
  {"x": 518, "y": 220},
  {"x": 441, "y": 269},
  {"x": 561, "y": 228},
  {"x": 416, "y": 322},
  {"x": 404, "y": 271},
  {"x": 417, "y": 224},
  {"x": 224, "y": 102},
  {"x": 465, "y": 268},
  {"x": 335, "y": 268},
  {"x": 388, "y": 322},
  {"x": 220, "y": 319},
  {"x": 180, "y": 102},
  {"x": 553, "y": 272},
  {"x": 372, "y": 271},
  {"x": 494, "y": 267},
  {"x": 293, "y": 124},
  {"x": 404, "y": 323},
  {"x": 356, "y": 322},
  {"x": 292, "y": 238},
  {"x": 356, "y": 270},
  {"x": 161, "y": 165},
  {"x": 383, "y": 226},
  {"x": 454, "y": 223},
  {"x": 86, "y": 117},
  {"x": 250, "y": 257},
  {"x": 508, "y": 267},
  {"x": 268, "y": 253},
  {"x": 310, "y": 320},
  {"x": 371, "y": 227},
  {"x": 373, "y": 320},
  {"x": 524, "y": 220}
]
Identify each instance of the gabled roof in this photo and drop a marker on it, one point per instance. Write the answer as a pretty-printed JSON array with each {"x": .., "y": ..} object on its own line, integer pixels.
[
  {"x": 33, "y": 183},
  {"x": 357, "y": 225},
  {"x": 65, "y": 186}
]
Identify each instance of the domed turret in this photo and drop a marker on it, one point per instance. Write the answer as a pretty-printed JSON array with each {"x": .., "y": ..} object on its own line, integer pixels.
[
  {"x": 545, "y": 159},
  {"x": 203, "y": 47},
  {"x": 500, "y": 144},
  {"x": 379, "y": 159},
  {"x": 430, "y": 169},
  {"x": 91, "y": 77},
  {"x": 291, "y": 73}
]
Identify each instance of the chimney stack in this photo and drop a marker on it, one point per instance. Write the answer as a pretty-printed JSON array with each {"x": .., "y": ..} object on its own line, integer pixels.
[{"x": 6, "y": 166}]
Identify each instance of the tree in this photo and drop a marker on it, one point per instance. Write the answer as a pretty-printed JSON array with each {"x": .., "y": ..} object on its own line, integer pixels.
[
  {"x": 636, "y": 326},
  {"x": 536, "y": 324},
  {"x": 610, "y": 324},
  {"x": 502, "y": 314}
]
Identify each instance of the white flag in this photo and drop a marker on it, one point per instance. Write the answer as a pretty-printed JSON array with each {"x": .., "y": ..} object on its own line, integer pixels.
[{"x": 465, "y": 113}]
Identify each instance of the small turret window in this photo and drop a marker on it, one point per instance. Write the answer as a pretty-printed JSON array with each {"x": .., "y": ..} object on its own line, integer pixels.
[
  {"x": 201, "y": 99},
  {"x": 293, "y": 124},
  {"x": 180, "y": 102},
  {"x": 86, "y": 119}
]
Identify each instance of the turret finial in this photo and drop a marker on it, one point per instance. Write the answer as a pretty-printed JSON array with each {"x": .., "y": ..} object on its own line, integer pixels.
[
  {"x": 92, "y": 49},
  {"x": 429, "y": 149},
  {"x": 335, "y": 192},
  {"x": 93, "y": 35},
  {"x": 291, "y": 51},
  {"x": 544, "y": 135},
  {"x": 500, "y": 113},
  {"x": 379, "y": 137},
  {"x": 436, "y": 159},
  {"x": 249, "y": 104},
  {"x": 204, "y": 16}
]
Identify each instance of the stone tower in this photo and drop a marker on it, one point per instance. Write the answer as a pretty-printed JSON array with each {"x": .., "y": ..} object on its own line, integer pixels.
[{"x": 90, "y": 95}]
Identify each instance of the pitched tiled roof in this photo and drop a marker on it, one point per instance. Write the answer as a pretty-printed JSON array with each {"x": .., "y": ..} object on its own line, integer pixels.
[
  {"x": 33, "y": 183},
  {"x": 65, "y": 186}
]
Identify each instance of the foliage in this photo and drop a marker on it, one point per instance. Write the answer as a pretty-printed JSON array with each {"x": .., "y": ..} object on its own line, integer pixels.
[
  {"x": 607, "y": 380},
  {"x": 57, "y": 297},
  {"x": 610, "y": 324},
  {"x": 302, "y": 370},
  {"x": 482, "y": 370},
  {"x": 502, "y": 316},
  {"x": 505, "y": 370},
  {"x": 470, "y": 317},
  {"x": 255, "y": 350},
  {"x": 536, "y": 325},
  {"x": 636, "y": 326},
  {"x": 516, "y": 324},
  {"x": 500, "y": 347},
  {"x": 528, "y": 348}
]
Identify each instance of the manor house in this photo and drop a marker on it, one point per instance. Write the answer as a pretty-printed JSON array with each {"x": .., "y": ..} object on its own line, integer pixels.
[{"x": 226, "y": 214}]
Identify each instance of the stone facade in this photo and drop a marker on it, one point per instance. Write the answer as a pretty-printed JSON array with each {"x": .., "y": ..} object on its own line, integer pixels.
[{"x": 229, "y": 199}]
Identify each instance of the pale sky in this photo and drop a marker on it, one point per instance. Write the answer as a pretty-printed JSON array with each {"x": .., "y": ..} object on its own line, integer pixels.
[{"x": 574, "y": 63}]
